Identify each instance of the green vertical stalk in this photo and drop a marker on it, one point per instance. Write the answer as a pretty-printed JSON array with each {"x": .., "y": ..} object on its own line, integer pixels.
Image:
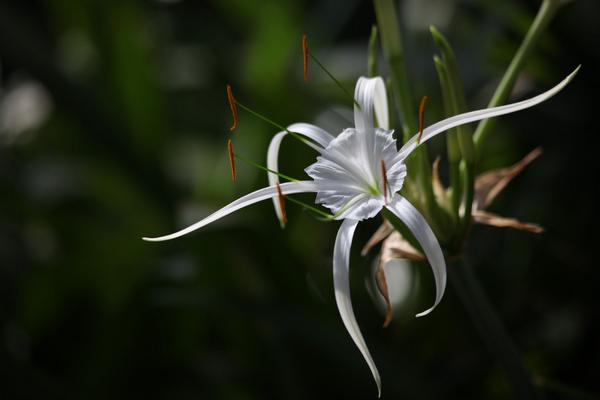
[
  {"x": 391, "y": 42},
  {"x": 458, "y": 104},
  {"x": 467, "y": 171},
  {"x": 452, "y": 147},
  {"x": 372, "y": 58},
  {"x": 491, "y": 329},
  {"x": 544, "y": 16},
  {"x": 394, "y": 55}
]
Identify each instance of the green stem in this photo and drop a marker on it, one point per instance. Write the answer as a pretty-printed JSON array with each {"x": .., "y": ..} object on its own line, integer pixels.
[
  {"x": 338, "y": 83},
  {"x": 372, "y": 58},
  {"x": 271, "y": 122},
  {"x": 457, "y": 104},
  {"x": 394, "y": 55},
  {"x": 391, "y": 43},
  {"x": 491, "y": 329},
  {"x": 257, "y": 165},
  {"x": 452, "y": 147},
  {"x": 308, "y": 207},
  {"x": 467, "y": 170},
  {"x": 544, "y": 16}
]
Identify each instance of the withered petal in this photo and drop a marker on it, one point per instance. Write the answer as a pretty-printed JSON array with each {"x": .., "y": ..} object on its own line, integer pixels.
[
  {"x": 382, "y": 286},
  {"x": 394, "y": 247}
]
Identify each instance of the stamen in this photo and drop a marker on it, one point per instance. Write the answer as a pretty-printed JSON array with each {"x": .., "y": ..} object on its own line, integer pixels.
[
  {"x": 385, "y": 180},
  {"x": 269, "y": 121},
  {"x": 315, "y": 210},
  {"x": 325, "y": 216},
  {"x": 305, "y": 56},
  {"x": 257, "y": 165},
  {"x": 421, "y": 117},
  {"x": 281, "y": 199},
  {"x": 231, "y": 159},
  {"x": 233, "y": 106}
]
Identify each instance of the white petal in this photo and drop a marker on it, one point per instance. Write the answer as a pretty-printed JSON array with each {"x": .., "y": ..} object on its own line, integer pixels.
[
  {"x": 357, "y": 174},
  {"x": 370, "y": 93},
  {"x": 361, "y": 207},
  {"x": 341, "y": 284},
  {"x": 472, "y": 116},
  {"x": 426, "y": 238},
  {"x": 251, "y": 198},
  {"x": 345, "y": 161},
  {"x": 321, "y": 136},
  {"x": 313, "y": 132}
]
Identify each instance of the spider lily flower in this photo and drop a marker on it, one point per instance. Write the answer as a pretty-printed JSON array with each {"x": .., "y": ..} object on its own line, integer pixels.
[{"x": 348, "y": 180}]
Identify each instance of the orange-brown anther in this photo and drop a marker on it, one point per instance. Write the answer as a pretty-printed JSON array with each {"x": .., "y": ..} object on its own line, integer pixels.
[
  {"x": 281, "y": 199},
  {"x": 385, "y": 181},
  {"x": 422, "y": 106},
  {"x": 233, "y": 106},
  {"x": 231, "y": 159},
  {"x": 305, "y": 56}
]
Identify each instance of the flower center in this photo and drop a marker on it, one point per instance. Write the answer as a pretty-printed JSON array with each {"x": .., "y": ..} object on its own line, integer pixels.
[{"x": 358, "y": 169}]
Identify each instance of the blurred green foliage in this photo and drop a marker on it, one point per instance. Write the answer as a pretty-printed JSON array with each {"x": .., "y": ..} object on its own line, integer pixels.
[{"x": 129, "y": 140}]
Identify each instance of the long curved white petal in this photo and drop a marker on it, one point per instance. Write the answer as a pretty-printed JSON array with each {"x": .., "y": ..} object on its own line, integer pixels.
[
  {"x": 312, "y": 132},
  {"x": 251, "y": 198},
  {"x": 371, "y": 95},
  {"x": 319, "y": 135},
  {"x": 341, "y": 284},
  {"x": 426, "y": 238},
  {"x": 472, "y": 116}
]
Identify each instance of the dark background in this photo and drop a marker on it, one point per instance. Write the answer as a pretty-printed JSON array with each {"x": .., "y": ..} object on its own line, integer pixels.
[{"x": 113, "y": 125}]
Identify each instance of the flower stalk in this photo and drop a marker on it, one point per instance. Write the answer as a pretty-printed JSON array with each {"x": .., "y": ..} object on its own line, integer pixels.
[
  {"x": 391, "y": 42},
  {"x": 452, "y": 147},
  {"x": 372, "y": 52},
  {"x": 455, "y": 103},
  {"x": 545, "y": 14}
]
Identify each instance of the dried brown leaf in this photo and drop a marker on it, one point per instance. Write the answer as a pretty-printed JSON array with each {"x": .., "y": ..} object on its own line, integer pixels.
[
  {"x": 488, "y": 218},
  {"x": 381, "y": 233},
  {"x": 395, "y": 246},
  {"x": 489, "y": 184},
  {"x": 438, "y": 187}
]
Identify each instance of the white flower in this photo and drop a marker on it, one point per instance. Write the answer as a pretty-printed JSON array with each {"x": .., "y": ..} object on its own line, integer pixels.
[{"x": 351, "y": 177}]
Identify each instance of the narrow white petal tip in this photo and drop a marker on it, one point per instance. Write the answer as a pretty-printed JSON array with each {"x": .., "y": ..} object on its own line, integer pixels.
[
  {"x": 424, "y": 313},
  {"x": 156, "y": 239},
  {"x": 570, "y": 77},
  {"x": 575, "y": 71}
]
